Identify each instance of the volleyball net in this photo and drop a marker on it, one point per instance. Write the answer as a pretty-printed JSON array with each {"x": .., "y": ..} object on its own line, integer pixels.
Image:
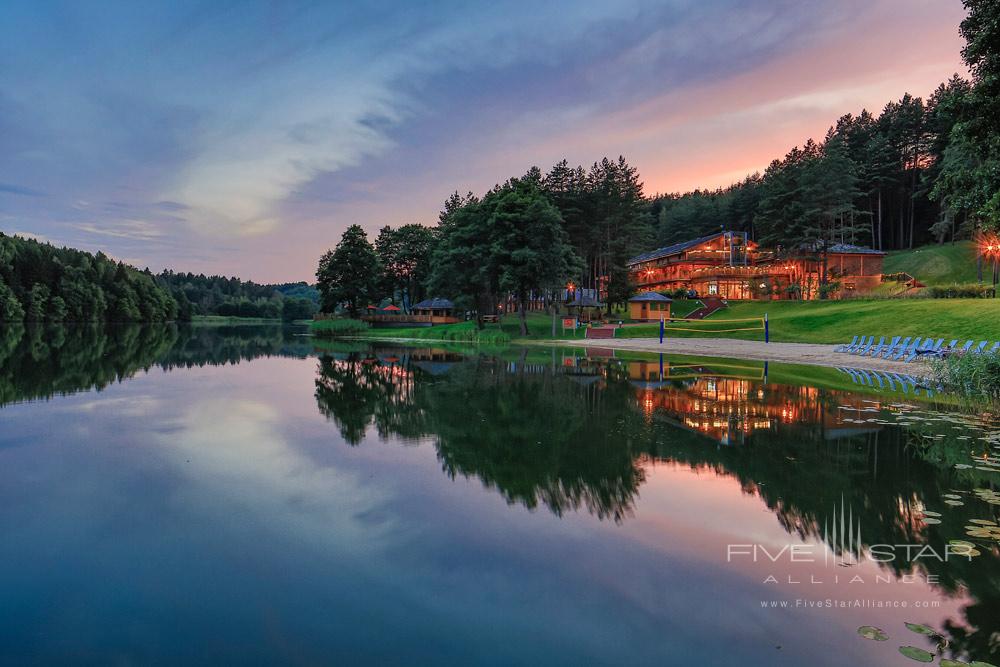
[{"x": 713, "y": 326}]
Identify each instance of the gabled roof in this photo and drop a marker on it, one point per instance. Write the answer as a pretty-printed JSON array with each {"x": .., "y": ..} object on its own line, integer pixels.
[
  {"x": 674, "y": 249},
  {"x": 848, "y": 249},
  {"x": 650, "y": 296},
  {"x": 585, "y": 302},
  {"x": 436, "y": 303}
]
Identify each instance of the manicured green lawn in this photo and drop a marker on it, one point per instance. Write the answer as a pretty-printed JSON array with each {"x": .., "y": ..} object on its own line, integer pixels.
[
  {"x": 937, "y": 264},
  {"x": 839, "y": 321},
  {"x": 790, "y": 321}
]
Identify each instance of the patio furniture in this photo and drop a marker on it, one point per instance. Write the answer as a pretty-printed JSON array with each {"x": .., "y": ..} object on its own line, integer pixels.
[
  {"x": 846, "y": 346},
  {"x": 908, "y": 349}
]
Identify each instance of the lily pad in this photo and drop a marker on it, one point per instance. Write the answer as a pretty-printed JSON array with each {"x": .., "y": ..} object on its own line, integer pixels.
[
  {"x": 873, "y": 633},
  {"x": 983, "y": 522},
  {"x": 921, "y": 629},
  {"x": 945, "y": 662},
  {"x": 918, "y": 654},
  {"x": 977, "y": 663},
  {"x": 933, "y": 514},
  {"x": 931, "y": 521}
]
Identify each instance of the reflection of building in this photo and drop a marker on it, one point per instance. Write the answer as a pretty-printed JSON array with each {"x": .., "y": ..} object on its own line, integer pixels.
[
  {"x": 718, "y": 403},
  {"x": 729, "y": 265}
]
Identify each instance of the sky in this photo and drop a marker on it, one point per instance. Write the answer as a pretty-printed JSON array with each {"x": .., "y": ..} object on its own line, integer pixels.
[{"x": 242, "y": 138}]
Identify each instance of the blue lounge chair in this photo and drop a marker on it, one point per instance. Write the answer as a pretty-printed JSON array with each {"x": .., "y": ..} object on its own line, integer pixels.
[
  {"x": 882, "y": 347},
  {"x": 994, "y": 349},
  {"x": 979, "y": 348},
  {"x": 871, "y": 349},
  {"x": 846, "y": 346},
  {"x": 863, "y": 349},
  {"x": 906, "y": 350},
  {"x": 965, "y": 348},
  {"x": 860, "y": 344},
  {"x": 917, "y": 351},
  {"x": 889, "y": 353}
]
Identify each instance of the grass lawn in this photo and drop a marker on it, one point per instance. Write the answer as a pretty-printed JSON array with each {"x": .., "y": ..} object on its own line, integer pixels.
[
  {"x": 790, "y": 321},
  {"x": 509, "y": 328},
  {"x": 839, "y": 321},
  {"x": 937, "y": 264}
]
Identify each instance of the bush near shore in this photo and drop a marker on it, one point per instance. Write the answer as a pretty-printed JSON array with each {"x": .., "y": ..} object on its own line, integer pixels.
[
  {"x": 972, "y": 374},
  {"x": 338, "y": 327}
]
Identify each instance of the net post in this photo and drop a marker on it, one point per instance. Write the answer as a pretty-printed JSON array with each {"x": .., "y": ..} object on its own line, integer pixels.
[
  {"x": 661, "y": 331},
  {"x": 767, "y": 330}
]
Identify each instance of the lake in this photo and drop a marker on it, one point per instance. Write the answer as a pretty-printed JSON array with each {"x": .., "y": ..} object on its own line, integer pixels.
[{"x": 248, "y": 495}]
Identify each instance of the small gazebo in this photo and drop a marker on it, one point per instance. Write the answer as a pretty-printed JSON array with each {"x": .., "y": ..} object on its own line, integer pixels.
[
  {"x": 581, "y": 303},
  {"x": 649, "y": 306},
  {"x": 436, "y": 307}
]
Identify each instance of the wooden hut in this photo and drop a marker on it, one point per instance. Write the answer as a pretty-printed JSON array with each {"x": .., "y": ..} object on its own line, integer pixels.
[{"x": 649, "y": 306}]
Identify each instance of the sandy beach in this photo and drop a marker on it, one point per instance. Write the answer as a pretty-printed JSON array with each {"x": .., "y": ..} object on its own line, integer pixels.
[{"x": 792, "y": 353}]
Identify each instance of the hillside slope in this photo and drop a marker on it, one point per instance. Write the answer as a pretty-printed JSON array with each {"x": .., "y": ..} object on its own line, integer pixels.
[{"x": 937, "y": 264}]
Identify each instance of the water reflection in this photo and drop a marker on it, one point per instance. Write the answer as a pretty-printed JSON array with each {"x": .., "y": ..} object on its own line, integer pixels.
[
  {"x": 564, "y": 433},
  {"x": 569, "y": 432}
]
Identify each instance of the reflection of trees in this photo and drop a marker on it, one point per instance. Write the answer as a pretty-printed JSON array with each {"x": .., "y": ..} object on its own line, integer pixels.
[
  {"x": 532, "y": 437},
  {"x": 39, "y": 362},
  {"x": 574, "y": 438}
]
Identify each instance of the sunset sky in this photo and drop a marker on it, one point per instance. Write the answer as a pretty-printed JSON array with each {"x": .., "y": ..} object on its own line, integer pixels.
[{"x": 242, "y": 138}]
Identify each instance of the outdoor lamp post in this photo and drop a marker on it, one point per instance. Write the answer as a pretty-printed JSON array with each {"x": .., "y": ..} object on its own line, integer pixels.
[{"x": 990, "y": 249}]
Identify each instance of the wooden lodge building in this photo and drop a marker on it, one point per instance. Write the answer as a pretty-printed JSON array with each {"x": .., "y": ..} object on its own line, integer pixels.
[{"x": 730, "y": 266}]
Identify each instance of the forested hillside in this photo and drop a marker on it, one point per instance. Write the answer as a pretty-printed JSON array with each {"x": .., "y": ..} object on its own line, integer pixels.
[
  {"x": 920, "y": 170},
  {"x": 198, "y": 294},
  {"x": 39, "y": 282}
]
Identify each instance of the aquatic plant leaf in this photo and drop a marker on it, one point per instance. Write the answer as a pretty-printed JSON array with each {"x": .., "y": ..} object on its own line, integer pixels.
[
  {"x": 983, "y": 522},
  {"x": 933, "y": 514},
  {"x": 873, "y": 633},
  {"x": 931, "y": 521},
  {"x": 945, "y": 662},
  {"x": 918, "y": 654},
  {"x": 921, "y": 629},
  {"x": 978, "y": 663}
]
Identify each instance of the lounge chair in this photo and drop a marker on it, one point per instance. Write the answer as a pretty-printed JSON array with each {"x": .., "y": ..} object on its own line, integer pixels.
[
  {"x": 965, "y": 348},
  {"x": 871, "y": 349},
  {"x": 863, "y": 349},
  {"x": 860, "y": 344},
  {"x": 928, "y": 346},
  {"x": 979, "y": 348},
  {"x": 889, "y": 353},
  {"x": 907, "y": 349},
  {"x": 994, "y": 349},
  {"x": 882, "y": 347},
  {"x": 846, "y": 346}
]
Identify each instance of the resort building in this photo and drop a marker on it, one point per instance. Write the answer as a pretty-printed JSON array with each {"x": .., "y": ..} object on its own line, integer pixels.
[{"x": 730, "y": 266}]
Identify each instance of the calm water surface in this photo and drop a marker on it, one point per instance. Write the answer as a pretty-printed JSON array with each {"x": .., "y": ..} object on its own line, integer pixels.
[{"x": 240, "y": 496}]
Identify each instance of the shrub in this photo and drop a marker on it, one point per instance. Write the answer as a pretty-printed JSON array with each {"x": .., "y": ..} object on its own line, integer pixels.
[
  {"x": 339, "y": 327},
  {"x": 973, "y": 291},
  {"x": 972, "y": 374}
]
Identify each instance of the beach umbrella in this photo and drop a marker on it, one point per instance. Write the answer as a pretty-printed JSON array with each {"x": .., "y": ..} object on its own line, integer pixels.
[{"x": 391, "y": 307}]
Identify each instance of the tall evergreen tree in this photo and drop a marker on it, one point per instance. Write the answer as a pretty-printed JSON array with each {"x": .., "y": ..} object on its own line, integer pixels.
[{"x": 347, "y": 275}]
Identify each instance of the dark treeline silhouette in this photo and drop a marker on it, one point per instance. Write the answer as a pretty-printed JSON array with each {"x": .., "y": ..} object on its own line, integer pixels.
[
  {"x": 198, "y": 294},
  {"x": 42, "y": 283},
  {"x": 878, "y": 181}
]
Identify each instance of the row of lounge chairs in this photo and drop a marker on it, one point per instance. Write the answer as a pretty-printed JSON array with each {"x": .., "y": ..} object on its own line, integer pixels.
[
  {"x": 900, "y": 382},
  {"x": 908, "y": 349}
]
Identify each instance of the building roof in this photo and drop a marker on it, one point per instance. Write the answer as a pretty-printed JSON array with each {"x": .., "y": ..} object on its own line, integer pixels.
[
  {"x": 650, "y": 296},
  {"x": 585, "y": 302},
  {"x": 436, "y": 303},
  {"x": 674, "y": 249},
  {"x": 848, "y": 249}
]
